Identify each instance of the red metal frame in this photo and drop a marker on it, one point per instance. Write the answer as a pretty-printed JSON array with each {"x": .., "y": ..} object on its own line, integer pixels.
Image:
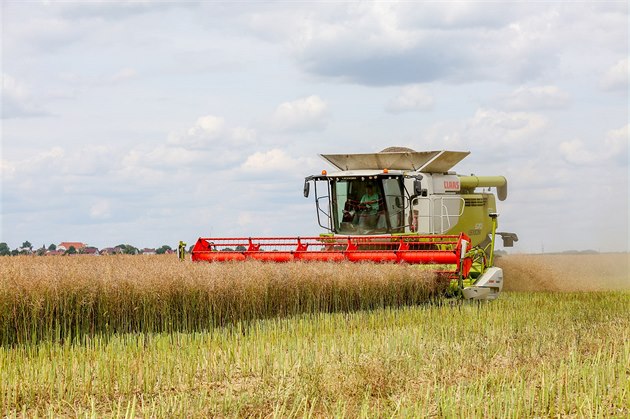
[{"x": 416, "y": 249}]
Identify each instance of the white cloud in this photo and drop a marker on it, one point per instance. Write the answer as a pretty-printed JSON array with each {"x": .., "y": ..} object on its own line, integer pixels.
[
  {"x": 268, "y": 161},
  {"x": 101, "y": 209},
  {"x": 536, "y": 98},
  {"x": 574, "y": 151},
  {"x": 244, "y": 218},
  {"x": 399, "y": 43},
  {"x": 241, "y": 135},
  {"x": 60, "y": 174},
  {"x": 490, "y": 134},
  {"x": 616, "y": 78},
  {"x": 211, "y": 132},
  {"x": 393, "y": 44},
  {"x": 411, "y": 98},
  {"x": 7, "y": 169},
  {"x": 86, "y": 80},
  {"x": 17, "y": 99},
  {"x": 97, "y": 160},
  {"x": 209, "y": 125},
  {"x": 306, "y": 114},
  {"x": 161, "y": 157},
  {"x": 494, "y": 128},
  {"x": 613, "y": 146},
  {"x": 49, "y": 161},
  {"x": 123, "y": 75},
  {"x": 207, "y": 129}
]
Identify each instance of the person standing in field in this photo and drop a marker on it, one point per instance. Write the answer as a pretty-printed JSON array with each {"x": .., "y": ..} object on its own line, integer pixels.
[{"x": 181, "y": 250}]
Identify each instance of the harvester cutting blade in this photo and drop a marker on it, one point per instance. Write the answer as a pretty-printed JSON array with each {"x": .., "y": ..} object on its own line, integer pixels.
[{"x": 442, "y": 250}]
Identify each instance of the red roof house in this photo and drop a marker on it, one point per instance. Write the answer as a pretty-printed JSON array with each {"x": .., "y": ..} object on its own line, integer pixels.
[{"x": 66, "y": 245}]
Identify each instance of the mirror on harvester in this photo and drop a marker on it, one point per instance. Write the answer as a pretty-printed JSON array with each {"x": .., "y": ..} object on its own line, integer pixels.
[
  {"x": 307, "y": 188},
  {"x": 417, "y": 187}
]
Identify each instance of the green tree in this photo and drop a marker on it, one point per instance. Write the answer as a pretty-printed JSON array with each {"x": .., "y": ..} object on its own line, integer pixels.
[
  {"x": 52, "y": 247},
  {"x": 128, "y": 249},
  {"x": 42, "y": 250},
  {"x": 163, "y": 249},
  {"x": 71, "y": 251},
  {"x": 27, "y": 245},
  {"x": 4, "y": 249}
]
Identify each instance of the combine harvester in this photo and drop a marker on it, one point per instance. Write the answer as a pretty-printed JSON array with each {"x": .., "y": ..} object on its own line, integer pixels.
[{"x": 396, "y": 206}]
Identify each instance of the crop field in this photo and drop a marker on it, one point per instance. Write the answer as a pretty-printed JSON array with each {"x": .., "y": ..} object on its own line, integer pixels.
[{"x": 154, "y": 337}]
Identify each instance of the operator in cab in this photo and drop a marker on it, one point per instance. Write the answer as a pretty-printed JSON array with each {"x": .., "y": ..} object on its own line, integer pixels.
[{"x": 369, "y": 206}]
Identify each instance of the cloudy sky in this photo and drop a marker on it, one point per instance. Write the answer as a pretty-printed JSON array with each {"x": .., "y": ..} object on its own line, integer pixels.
[{"x": 150, "y": 122}]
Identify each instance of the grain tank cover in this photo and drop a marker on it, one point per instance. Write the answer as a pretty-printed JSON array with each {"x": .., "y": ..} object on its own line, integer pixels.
[
  {"x": 425, "y": 161},
  {"x": 379, "y": 161},
  {"x": 444, "y": 161}
]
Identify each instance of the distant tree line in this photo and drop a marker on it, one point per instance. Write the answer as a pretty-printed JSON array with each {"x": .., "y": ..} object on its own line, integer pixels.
[{"x": 27, "y": 249}]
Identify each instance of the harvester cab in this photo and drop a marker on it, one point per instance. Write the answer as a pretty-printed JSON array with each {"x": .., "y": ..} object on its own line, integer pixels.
[
  {"x": 415, "y": 193},
  {"x": 399, "y": 206}
]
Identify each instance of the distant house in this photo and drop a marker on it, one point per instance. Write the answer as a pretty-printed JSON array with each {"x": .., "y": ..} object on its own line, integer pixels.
[
  {"x": 147, "y": 251},
  {"x": 54, "y": 252},
  {"x": 89, "y": 250},
  {"x": 64, "y": 246},
  {"x": 111, "y": 251}
]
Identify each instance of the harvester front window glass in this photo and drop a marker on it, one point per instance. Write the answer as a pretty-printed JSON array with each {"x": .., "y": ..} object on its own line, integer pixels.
[
  {"x": 341, "y": 201},
  {"x": 343, "y": 204},
  {"x": 367, "y": 206},
  {"x": 394, "y": 205}
]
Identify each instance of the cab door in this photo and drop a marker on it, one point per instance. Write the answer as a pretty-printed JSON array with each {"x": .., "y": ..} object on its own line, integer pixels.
[{"x": 394, "y": 205}]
